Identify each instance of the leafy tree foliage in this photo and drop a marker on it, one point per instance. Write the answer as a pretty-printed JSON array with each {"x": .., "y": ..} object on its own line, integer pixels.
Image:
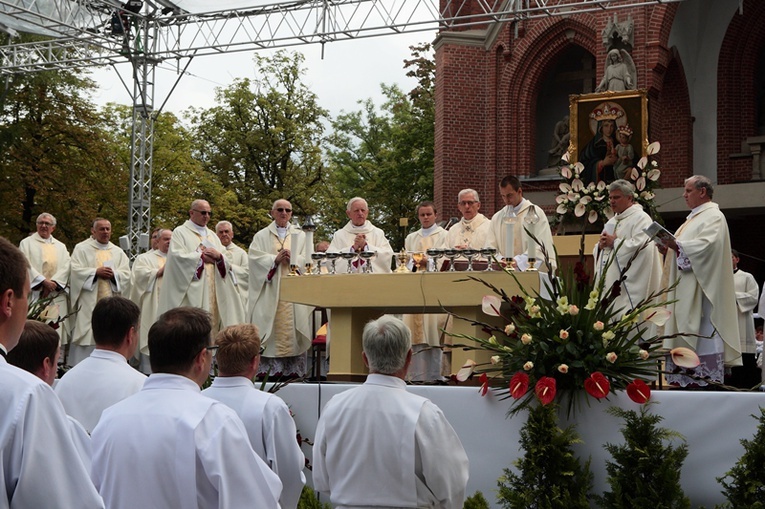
[
  {"x": 550, "y": 476},
  {"x": 177, "y": 178},
  {"x": 644, "y": 472},
  {"x": 386, "y": 156},
  {"x": 56, "y": 157},
  {"x": 743, "y": 485},
  {"x": 262, "y": 142}
]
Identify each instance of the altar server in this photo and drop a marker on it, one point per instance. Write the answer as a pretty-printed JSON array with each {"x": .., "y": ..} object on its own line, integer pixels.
[
  {"x": 169, "y": 446},
  {"x": 380, "y": 446},
  {"x": 358, "y": 235}
]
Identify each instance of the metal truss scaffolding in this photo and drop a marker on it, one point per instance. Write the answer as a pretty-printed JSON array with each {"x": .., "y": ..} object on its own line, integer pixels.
[{"x": 84, "y": 33}]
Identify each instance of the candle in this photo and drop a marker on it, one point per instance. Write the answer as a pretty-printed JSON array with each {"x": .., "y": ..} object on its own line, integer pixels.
[{"x": 509, "y": 230}]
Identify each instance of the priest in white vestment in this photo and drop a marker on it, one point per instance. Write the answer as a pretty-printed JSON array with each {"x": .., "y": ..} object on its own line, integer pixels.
[
  {"x": 747, "y": 291},
  {"x": 622, "y": 239},
  {"x": 706, "y": 299},
  {"x": 361, "y": 235},
  {"x": 266, "y": 417},
  {"x": 237, "y": 257},
  {"x": 48, "y": 268},
  {"x": 198, "y": 274},
  {"x": 99, "y": 269},
  {"x": 146, "y": 280},
  {"x": 426, "y": 328},
  {"x": 474, "y": 228},
  {"x": 380, "y": 446},
  {"x": 514, "y": 215},
  {"x": 105, "y": 377},
  {"x": 169, "y": 446},
  {"x": 285, "y": 328},
  {"x": 41, "y": 466}
]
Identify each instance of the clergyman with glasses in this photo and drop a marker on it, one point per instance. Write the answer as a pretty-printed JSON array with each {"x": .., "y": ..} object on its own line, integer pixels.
[
  {"x": 473, "y": 229},
  {"x": 285, "y": 328},
  {"x": 198, "y": 274}
]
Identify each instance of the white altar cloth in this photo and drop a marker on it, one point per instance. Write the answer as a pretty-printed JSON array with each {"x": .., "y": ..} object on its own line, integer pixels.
[{"x": 492, "y": 440}]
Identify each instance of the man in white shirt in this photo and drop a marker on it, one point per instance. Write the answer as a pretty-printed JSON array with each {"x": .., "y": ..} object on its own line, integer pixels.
[
  {"x": 105, "y": 377},
  {"x": 359, "y": 235},
  {"x": 146, "y": 280},
  {"x": 48, "y": 267},
  {"x": 426, "y": 328},
  {"x": 38, "y": 352},
  {"x": 40, "y": 465},
  {"x": 474, "y": 228},
  {"x": 198, "y": 274},
  {"x": 236, "y": 256},
  {"x": 99, "y": 269},
  {"x": 169, "y": 446},
  {"x": 515, "y": 212},
  {"x": 266, "y": 417},
  {"x": 380, "y": 446}
]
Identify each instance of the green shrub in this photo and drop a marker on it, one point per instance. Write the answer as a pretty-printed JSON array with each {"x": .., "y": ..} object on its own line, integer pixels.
[{"x": 746, "y": 487}]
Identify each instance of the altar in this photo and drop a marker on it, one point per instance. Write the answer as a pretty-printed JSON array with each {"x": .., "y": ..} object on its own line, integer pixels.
[
  {"x": 713, "y": 423},
  {"x": 354, "y": 299}
]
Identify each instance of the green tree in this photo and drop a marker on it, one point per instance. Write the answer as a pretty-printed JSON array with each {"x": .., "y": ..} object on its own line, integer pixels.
[
  {"x": 386, "y": 156},
  {"x": 262, "y": 141},
  {"x": 177, "y": 178},
  {"x": 56, "y": 157}
]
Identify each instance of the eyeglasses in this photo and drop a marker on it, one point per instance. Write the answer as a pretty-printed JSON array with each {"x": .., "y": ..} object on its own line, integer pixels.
[
  {"x": 212, "y": 348},
  {"x": 44, "y": 223},
  {"x": 282, "y": 209},
  {"x": 468, "y": 203},
  {"x": 203, "y": 212}
]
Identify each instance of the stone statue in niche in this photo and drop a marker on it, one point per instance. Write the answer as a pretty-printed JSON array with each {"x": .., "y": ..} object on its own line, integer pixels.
[
  {"x": 620, "y": 72},
  {"x": 560, "y": 141}
]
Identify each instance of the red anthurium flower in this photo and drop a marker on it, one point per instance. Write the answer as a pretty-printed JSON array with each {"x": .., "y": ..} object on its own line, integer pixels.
[
  {"x": 519, "y": 385},
  {"x": 597, "y": 385},
  {"x": 545, "y": 389},
  {"x": 484, "y": 379},
  {"x": 639, "y": 392}
]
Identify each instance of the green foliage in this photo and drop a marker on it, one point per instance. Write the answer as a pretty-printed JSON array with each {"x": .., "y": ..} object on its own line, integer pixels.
[
  {"x": 477, "y": 501},
  {"x": 385, "y": 156},
  {"x": 744, "y": 484},
  {"x": 309, "y": 500},
  {"x": 56, "y": 157},
  {"x": 644, "y": 472},
  {"x": 262, "y": 142},
  {"x": 550, "y": 476}
]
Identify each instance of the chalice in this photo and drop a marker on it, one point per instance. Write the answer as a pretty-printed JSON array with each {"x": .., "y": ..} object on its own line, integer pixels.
[
  {"x": 435, "y": 255},
  {"x": 349, "y": 257},
  {"x": 332, "y": 257},
  {"x": 417, "y": 257},
  {"x": 367, "y": 257},
  {"x": 318, "y": 258},
  {"x": 401, "y": 259},
  {"x": 470, "y": 253},
  {"x": 450, "y": 255},
  {"x": 488, "y": 253}
]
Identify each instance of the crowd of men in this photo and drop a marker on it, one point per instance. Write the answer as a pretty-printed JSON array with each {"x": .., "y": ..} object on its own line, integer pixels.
[{"x": 109, "y": 436}]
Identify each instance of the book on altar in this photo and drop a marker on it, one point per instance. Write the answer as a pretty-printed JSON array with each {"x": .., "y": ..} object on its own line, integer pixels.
[{"x": 658, "y": 234}]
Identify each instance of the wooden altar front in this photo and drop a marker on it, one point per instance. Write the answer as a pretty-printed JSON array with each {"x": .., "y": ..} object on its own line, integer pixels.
[{"x": 354, "y": 299}]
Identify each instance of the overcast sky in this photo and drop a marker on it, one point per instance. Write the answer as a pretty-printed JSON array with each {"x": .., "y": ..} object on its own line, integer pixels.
[{"x": 350, "y": 71}]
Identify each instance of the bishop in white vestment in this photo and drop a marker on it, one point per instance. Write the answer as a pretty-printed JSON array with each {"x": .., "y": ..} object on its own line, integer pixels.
[
  {"x": 198, "y": 274},
  {"x": 705, "y": 295},
  {"x": 360, "y": 235},
  {"x": 237, "y": 257},
  {"x": 474, "y": 228},
  {"x": 285, "y": 328}
]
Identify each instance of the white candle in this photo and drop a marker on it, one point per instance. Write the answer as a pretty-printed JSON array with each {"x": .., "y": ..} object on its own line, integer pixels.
[
  {"x": 509, "y": 227},
  {"x": 294, "y": 247},
  {"x": 308, "y": 246},
  {"x": 532, "y": 245}
]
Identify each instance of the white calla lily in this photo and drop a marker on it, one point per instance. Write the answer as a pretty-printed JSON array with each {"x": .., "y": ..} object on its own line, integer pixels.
[
  {"x": 643, "y": 161},
  {"x": 653, "y": 148},
  {"x": 684, "y": 357},
  {"x": 640, "y": 184},
  {"x": 580, "y": 209},
  {"x": 593, "y": 216},
  {"x": 577, "y": 185},
  {"x": 564, "y": 187},
  {"x": 654, "y": 175},
  {"x": 467, "y": 370},
  {"x": 490, "y": 305}
]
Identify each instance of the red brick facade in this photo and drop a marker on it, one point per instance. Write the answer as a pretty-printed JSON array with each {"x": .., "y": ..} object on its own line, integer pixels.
[{"x": 488, "y": 82}]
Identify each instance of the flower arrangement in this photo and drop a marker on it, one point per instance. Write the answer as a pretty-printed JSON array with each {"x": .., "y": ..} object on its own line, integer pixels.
[
  {"x": 577, "y": 200},
  {"x": 571, "y": 341}
]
